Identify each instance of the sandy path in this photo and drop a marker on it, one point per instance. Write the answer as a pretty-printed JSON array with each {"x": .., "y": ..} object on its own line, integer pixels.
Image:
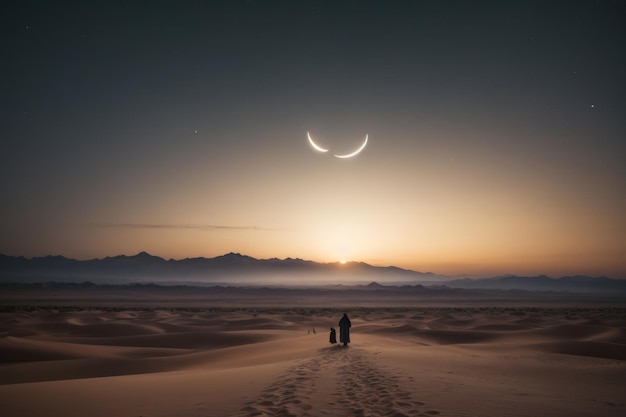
[
  {"x": 339, "y": 382},
  {"x": 449, "y": 362}
]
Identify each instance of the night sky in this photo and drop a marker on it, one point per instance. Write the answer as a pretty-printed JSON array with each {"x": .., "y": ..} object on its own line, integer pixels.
[{"x": 497, "y": 132}]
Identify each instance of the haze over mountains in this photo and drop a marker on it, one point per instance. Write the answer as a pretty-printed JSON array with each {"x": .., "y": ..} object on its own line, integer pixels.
[
  {"x": 237, "y": 269},
  {"x": 232, "y": 268}
]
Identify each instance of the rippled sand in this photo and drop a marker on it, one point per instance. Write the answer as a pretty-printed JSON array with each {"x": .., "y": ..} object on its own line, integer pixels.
[{"x": 278, "y": 362}]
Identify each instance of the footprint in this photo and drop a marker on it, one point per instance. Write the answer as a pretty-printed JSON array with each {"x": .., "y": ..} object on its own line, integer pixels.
[{"x": 360, "y": 389}]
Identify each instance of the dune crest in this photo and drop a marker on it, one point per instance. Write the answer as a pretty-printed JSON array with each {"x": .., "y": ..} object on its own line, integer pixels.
[{"x": 278, "y": 362}]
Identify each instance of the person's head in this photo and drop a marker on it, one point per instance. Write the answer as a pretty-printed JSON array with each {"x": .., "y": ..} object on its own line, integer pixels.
[{"x": 345, "y": 314}]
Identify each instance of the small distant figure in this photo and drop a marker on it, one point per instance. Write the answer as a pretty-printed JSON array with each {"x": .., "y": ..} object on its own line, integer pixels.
[
  {"x": 333, "y": 335},
  {"x": 344, "y": 329}
]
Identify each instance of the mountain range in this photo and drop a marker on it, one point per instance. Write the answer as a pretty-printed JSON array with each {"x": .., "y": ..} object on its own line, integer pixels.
[
  {"x": 231, "y": 268},
  {"x": 237, "y": 269}
]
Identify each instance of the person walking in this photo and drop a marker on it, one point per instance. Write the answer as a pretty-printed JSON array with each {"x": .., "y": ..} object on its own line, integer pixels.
[
  {"x": 344, "y": 329},
  {"x": 333, "y": 336}
]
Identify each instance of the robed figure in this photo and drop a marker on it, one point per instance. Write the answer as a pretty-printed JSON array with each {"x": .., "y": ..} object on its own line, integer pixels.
[
  {"x": 344, "y": 329},
  {"x": 333, "y": 335}
]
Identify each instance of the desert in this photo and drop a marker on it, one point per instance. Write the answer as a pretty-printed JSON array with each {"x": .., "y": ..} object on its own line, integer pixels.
[
  {"x": 195, "y": 194},
  {"x": 244, "y": 361}
]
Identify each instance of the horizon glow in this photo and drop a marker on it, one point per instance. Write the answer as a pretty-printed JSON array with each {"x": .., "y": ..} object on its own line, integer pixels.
[{"x": 497, "y": 143}]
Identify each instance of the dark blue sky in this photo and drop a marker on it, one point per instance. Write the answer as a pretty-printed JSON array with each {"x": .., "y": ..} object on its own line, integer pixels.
[{"x": 496, "y": 131}]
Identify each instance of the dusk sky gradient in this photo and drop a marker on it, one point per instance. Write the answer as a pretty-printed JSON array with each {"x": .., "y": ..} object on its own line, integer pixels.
[{"x": 497, "y": 132}]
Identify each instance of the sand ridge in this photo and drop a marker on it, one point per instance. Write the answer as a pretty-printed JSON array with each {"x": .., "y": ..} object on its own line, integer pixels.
[{"x": 278, "y": 362}]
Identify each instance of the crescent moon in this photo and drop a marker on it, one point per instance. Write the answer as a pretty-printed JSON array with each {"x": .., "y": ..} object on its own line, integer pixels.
[
  {"x": 314, "y": 145},
  {"x": 350, "y": 155}
]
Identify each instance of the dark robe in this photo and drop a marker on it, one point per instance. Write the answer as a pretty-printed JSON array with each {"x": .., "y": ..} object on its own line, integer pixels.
[
  {"x": 344, "y": 329},
  {"x": 333, "y": 335}
]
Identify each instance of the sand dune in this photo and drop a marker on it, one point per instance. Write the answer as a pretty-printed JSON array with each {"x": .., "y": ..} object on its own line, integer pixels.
[{"x": 278, "y": 362}]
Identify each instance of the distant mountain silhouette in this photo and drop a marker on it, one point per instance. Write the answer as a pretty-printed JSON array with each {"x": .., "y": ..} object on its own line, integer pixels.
[
  {"x": 228, "y": 268},
  {"x": 237, "y": 269},
  {"x": 577, "y": 283}
]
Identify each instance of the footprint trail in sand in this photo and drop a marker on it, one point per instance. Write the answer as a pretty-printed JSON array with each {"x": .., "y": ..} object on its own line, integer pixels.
[{"x": 338, "y": 382}]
